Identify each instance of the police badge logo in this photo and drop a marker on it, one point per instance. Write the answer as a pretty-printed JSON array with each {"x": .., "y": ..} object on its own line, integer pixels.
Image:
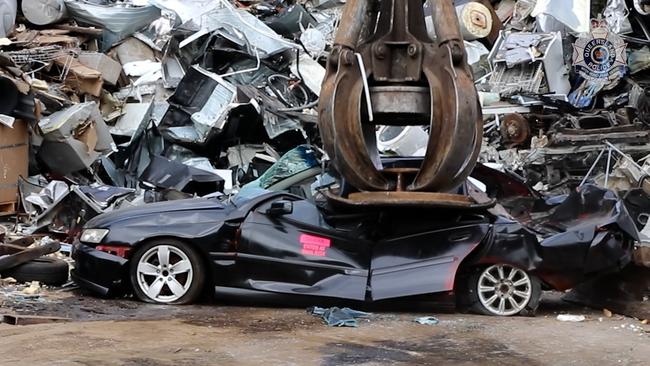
[{"x": 600, "y": 55}]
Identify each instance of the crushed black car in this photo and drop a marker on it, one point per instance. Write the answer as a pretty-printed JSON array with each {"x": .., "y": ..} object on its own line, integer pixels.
[{"x": 282, "y": 245}]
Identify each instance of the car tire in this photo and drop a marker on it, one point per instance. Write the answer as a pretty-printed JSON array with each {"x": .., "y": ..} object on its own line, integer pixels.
[
  {"x": 515, "y": 292},
  {"x": 46, "y": 270},
  {"x": 154, "y": 278}
]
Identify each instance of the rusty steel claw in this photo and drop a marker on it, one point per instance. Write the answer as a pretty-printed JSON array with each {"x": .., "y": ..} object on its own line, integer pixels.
[{"x": 409, "y": 80}]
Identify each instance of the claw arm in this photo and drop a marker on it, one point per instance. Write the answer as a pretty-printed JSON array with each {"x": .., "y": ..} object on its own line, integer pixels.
[{"x": 353, "y": 18}]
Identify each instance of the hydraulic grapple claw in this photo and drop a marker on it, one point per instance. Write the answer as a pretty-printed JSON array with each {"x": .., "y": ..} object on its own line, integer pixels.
[{"x": 383, "y": 56}]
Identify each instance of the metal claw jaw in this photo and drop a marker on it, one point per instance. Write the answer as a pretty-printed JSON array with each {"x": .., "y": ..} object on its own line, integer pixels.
[{"x": 409, "y": 80}]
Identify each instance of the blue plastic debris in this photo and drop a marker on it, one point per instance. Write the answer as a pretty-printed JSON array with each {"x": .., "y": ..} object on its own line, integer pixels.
[
  {"x": 338, "y": 317},
  {"x": 427, "y": 320}
]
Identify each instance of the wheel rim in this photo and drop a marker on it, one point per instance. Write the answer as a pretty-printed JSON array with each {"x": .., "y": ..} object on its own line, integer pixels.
[
  {"x": 164, "y": 273},
  {"x": 504, "y": 290}
]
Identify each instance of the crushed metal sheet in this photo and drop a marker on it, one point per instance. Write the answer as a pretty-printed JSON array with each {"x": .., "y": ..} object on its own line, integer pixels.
[
  {"x": 52, "y": 193},
  {"x": 119, "y": 21},
  {"x": 524, "y": 62},
  {"x": 243, "y": 29},
  {"x": 133, "y": 114},
  {"x": 74, "y": 138},
  {"x": 165, "y": 173},
  {"x": 199, "y": 108}
]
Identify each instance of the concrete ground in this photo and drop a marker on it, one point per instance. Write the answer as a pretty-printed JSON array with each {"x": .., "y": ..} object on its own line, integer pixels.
[{"x": 126, "y": 332}]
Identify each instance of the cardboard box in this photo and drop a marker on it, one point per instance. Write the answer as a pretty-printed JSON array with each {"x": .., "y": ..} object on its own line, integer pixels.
[
  {"x": 14, "y": 159},
  {"x": 82, "y": 77}
]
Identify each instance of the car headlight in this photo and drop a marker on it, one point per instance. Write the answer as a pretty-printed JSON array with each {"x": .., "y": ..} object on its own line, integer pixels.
[{"x": 93, "y": 236}]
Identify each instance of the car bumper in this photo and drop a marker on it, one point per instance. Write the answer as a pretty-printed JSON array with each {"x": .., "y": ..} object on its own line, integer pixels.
[{"x": 98, "y": 271}]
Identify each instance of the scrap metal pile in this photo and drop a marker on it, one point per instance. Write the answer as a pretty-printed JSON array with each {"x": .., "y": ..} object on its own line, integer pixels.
[
  {"x": 111, "y": 104},
  {"x": 130, "y": 102},
  {"x": 562, "y": 81}
]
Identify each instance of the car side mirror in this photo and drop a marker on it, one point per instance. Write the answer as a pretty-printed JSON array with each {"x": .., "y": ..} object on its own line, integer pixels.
[{"x": 279, "y": 208}]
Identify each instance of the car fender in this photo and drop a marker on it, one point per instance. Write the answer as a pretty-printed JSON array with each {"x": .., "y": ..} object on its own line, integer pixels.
[
  {"x": 508, "y": 242},
  {"x": 191, "y": 225}
]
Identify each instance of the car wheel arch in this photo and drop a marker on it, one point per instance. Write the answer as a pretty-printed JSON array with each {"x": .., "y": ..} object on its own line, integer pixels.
[
  {"x": 490, "y": 252},
  {"x": 471, "y": 265},
  {"x": 483, "y": 256},
  {"x": 187, "y": 240}
]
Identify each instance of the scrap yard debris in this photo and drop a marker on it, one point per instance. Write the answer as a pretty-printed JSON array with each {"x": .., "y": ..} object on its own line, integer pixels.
[
  {"x": 339, "y": 317},
  {"x": 112, "y": 104},
  {"x": 125, "y": 102}
]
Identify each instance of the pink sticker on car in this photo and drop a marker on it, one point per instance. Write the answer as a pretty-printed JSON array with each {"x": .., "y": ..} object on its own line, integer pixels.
[{"x": 314, "y": 245}]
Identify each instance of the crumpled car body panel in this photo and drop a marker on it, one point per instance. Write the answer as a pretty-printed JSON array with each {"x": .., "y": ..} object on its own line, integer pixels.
[
  {"x": 588, "y": 232},
  {"x": 365, "y": 255}
]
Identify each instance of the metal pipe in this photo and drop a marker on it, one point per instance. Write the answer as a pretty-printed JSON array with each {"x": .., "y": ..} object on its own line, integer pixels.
[
  {"x": 299, "y": 108},
  {"x": 593, "y": 166},
  {"x": 625, "y": 156},
  {"x": 352, "y": 21},
  {"x": 446, "y": 22}
]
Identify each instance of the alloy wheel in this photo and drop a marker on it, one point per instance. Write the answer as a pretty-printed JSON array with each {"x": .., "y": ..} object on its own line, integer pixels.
[
  {"x": 164, "y": 273},
  {"x": 504, "y": 290}
]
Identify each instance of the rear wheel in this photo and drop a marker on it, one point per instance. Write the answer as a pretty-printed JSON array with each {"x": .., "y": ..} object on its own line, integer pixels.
[
  {"x": 503, "y": 290},
  {"x": 168, "y": 272}
]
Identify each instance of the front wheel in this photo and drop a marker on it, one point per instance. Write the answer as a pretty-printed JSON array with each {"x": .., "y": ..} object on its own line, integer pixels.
[
  {"x": 168, "y": 272},
  {"x": 503, "y": 290}
]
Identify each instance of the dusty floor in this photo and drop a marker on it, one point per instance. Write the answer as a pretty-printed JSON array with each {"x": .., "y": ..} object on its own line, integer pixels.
[{"x": 125, "y": 332}]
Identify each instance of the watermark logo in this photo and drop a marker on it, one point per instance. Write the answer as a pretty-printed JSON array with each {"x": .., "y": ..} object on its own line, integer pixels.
[{"x": 600, "y": 55}]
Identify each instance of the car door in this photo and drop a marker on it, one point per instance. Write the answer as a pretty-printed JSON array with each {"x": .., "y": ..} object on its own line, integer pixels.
[
  {"x": 419, "y": 257},
  {"x": 299, "y": 253}
]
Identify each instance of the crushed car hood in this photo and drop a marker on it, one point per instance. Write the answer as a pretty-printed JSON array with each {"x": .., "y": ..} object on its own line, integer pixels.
[{"x": 193, "y": 204}]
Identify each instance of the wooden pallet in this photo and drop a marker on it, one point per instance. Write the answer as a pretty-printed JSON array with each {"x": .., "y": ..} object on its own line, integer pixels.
[{"x": 8, "y": 208}]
